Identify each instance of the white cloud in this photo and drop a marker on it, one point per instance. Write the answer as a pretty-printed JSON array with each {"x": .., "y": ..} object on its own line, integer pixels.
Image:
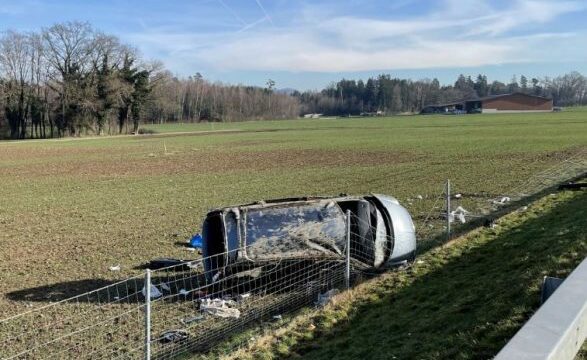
[{"x": 445, "y": 38}]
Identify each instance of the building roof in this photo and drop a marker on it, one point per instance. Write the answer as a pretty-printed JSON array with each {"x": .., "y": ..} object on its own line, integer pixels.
[{"x": 484, "y": 98}]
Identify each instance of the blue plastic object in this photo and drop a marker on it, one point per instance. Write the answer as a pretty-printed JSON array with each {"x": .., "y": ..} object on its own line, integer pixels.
[{"x": 196, "y": 241}]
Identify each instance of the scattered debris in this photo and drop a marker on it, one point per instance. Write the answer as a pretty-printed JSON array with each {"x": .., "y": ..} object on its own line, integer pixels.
[
  {"x": 459, "y": 213},
  {"x": 458, "y": 196},
  {"x": 192, "y": 319},
  {"x": 165, "y": 287},
  {"x": 220, "y": 308},
  {"x": 196, "y": 241},
  {"x": 114, "y": 268},
  {"x": 189, "y": 249},
  {"x": 501, "y": 201},
  {"x": 216, "y": 276},
  {"x": 324, "y": 299},
  {"x": 193, "y": 264},
  {"x": 174, "y": 336},
  {"x": 277, "y": 317},
  {"x": 155, "y": 293}
]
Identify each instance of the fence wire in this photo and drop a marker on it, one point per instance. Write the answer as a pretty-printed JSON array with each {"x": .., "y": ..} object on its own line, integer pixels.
[{"x": 193, "y": 307}]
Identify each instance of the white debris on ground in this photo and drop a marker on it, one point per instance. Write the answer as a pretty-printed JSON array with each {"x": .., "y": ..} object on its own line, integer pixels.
[
  {"x": 419, "y": 197},
  {"x": 324, "y": 299},
  {"x": 458, "y": 196},
  {"x": 114, "y": 268},
  {"x": 501, "y": 201},
  {"x": 155, "y": 292},
  {"x": 459, "y": 213},
  {"x": 220, "y": 308}
]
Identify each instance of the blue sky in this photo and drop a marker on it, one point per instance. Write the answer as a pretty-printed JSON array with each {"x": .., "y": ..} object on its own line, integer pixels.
[{"x": 306, "y": 44}]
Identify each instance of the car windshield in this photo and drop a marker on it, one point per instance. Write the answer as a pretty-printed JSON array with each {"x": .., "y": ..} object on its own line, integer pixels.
[{"x": 295, "y": 230}]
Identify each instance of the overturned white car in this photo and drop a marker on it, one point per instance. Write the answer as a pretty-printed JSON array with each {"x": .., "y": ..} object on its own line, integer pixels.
[{"x": 381, "y": 231}]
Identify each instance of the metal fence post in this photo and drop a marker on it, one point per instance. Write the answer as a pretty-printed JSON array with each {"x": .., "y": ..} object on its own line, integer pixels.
[
  {"x": 148, "y": 315},
  {"x": 347, "y": 270},
  {"x": 448, "y": 209}
]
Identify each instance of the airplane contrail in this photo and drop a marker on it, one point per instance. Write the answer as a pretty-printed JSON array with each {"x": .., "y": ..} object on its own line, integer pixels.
[
  {"x": 265, "y": 11},
  {"x": 233, "y": 12}
]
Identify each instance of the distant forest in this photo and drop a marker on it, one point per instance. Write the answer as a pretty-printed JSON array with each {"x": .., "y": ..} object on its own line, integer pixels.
[{"x": 71, "y": 79}]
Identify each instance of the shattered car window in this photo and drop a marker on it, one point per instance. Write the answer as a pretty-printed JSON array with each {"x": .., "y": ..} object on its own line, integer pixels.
[{"x": 295, "y": 230}]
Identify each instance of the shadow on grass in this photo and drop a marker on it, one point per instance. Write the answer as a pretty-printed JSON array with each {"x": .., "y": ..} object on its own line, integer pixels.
[{"x": 470, "y": 299}]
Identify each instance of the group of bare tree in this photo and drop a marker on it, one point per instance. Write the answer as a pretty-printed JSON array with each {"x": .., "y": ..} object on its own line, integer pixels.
[
  {"x": 196, "y": 99},
  {"x": 70, "y": 79}
]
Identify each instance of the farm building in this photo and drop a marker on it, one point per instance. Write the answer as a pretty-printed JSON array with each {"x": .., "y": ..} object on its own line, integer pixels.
[{"x": 515, "y": 102}]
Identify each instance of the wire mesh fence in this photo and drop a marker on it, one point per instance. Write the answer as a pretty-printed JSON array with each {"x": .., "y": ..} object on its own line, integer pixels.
[
  {"x": 185, "y": 308},
  {"x": 104, "y": 323}
]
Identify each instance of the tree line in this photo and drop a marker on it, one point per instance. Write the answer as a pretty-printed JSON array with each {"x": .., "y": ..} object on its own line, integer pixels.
[
  {"x": 71, "y": 79},
  {"x": 386, "y": 95}
]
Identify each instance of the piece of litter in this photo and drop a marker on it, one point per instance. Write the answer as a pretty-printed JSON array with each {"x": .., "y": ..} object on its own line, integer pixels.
[
  {"x": 458, "y": 196},
  {"x": 114, "y": 268},
  {"x": 183, "y": 292},
  {"x": 155, "y": 293},
  {"x": 324, "y": 299},
  {"x": 420, "y": 262},
  {"x": 116, "y": 298},
  {"x": 277, "y": 317},
  {"x": 189, "y": 249},
  {"x": 174, "y": 336},
  {"x": 502, "y": 201},
  {"x": 216, "y": 276},
  {"x": 192, "y": 319},
  {"x": 219, "y": 308},
  {"x": 194, "y": 264},
  {"x": 196, "y": 241},
  {"x": 165, "y": 287},
  {"x": 420, "y": 197},
  {"x": 459, "y": 213},
  {"x": 244, "y": 296}
]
